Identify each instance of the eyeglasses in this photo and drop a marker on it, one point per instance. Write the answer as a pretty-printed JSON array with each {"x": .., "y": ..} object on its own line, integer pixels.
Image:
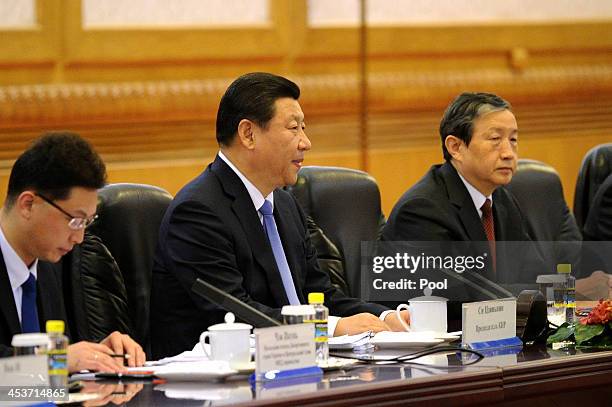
[{"x": 75, "y": 223}]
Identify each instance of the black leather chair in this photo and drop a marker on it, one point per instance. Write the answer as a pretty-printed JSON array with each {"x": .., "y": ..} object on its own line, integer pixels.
[
  {"x": 129, "y": 216},
  {"x": 595, "y": 168},
  {"x": 345, "y": 204},
  {"x": 538, "y": 190},
  {"x": 94, "y": 292}
]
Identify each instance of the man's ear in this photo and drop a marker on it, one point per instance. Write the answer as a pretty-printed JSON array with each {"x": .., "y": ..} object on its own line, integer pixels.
[
  {"x": 23, "y": 203},
  {"x": 453, "y": 146},
  {"x": 246, "y": 133}
]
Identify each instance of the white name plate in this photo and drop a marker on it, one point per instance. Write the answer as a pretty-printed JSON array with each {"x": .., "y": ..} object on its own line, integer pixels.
[
  {"x": 30, "y": 370},
  {"x": 285, "y": 347},
  {"x": 488, "y": 320}
]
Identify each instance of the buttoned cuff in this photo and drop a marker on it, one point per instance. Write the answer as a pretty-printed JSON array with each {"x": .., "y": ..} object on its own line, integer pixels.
[{"x": 331, "y": 325}]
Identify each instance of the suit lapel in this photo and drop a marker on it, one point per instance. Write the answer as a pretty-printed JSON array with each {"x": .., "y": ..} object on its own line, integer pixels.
[
  {"x": 499, "y": 214},
  {"x": 242, "y": 207},
  {"x": 7, "y": 301},
  {"x": 460, "y": 197},
  {"x": 49, "y": 294}
]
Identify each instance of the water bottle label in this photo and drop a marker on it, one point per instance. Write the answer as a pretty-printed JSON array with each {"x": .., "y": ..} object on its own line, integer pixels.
[
  {"x": 58, "y": 362},
  {"x": 320, "y": 330}
]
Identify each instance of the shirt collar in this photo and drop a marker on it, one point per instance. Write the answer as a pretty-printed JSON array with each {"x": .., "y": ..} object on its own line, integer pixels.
[
  {"x": 256, "y": 196},
  {"x": 17, "y": 270},
  {"x": 477, "y": 197}
]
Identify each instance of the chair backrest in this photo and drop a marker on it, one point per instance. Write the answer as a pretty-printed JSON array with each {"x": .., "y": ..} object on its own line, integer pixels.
[
  {"x": 595, "y": 168},
  {"x": 538, "y": 190},
  {"x": 345, "y": 204},
  {"x": 94, "y": 287},
  {"x": 128, "y": 222},
  {"x": 537, "y": 187}
]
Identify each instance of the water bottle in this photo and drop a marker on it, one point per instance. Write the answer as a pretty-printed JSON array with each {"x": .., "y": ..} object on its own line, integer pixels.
[
  {"x": 58, "y": 354},
  {"x": 569, "y": 298},
  {"x": 559, "y": 295},
  {"x": 321, "y": 313}
]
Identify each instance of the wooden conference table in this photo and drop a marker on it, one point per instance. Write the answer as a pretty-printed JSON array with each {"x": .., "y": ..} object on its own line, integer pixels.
[{"x": 535, "y": 376}]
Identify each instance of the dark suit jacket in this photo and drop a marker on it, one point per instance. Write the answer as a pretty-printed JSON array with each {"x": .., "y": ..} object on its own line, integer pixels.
[
  {"x": 212, "y": 231},
  {"x": 598, "y": 224},
  {"x": 49, "y": 298},
  {"x": 439, "y": 208},
  {"x": 597, "y": 249}
]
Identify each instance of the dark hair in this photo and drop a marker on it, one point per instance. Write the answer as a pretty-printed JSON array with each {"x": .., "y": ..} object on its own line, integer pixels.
[
  {"x": 251, "y": 96},
  {"x": 53, "y": 164},
  {"x": 460, "y": 115}
]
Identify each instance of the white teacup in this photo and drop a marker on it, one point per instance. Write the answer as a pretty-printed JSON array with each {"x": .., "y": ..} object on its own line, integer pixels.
[
  {"x": 229, "y": 342},
  {"x": 427, "y": 313}
]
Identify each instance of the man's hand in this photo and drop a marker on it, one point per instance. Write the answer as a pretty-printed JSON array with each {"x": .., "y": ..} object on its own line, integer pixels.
[
  {"x": 92, "y": 356},
  {"x": 394, "y": 323},
  {"x": 597, "y": 285},
  {"x": 359, "y": 323},
  {"x": 123, "y": 344}
]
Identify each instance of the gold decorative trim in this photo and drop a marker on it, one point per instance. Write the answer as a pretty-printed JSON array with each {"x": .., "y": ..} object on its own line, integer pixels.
[{"x": 35, "y": 106}]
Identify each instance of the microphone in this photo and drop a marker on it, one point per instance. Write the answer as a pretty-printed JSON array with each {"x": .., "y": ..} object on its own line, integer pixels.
[
  {"x": 469, "y": 283},
  {"x": 230, "y": 303}
]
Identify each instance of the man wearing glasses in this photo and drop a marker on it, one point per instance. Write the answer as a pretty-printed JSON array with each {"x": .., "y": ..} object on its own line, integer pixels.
[{"x": 51, "y": 199}]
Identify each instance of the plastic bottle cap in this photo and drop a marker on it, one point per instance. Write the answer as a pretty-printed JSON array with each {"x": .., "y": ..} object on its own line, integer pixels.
[
  {"x": 55, "y": 326},
  {"x": 316, "y": 298},
  {"x": 35, "y": 339},
  {"x": 564, "y": 268}
]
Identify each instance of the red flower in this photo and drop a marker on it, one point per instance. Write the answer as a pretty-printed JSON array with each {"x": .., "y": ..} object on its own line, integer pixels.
[{"x": 601, "y": 314}]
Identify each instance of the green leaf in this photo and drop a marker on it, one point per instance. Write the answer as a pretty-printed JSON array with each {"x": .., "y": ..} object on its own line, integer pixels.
[
  {"x": 586, "y": 332},
  {"x": 562, "y": 333},
  {"x": 598, "y": 342}
]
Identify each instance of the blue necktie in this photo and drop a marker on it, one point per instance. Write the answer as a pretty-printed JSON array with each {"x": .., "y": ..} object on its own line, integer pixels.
[
  {"x": 279, "y": 253},
  {"x": 29, "y": 312}
]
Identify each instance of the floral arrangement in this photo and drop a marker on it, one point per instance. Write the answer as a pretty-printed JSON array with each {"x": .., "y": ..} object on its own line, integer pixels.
[{"x": 592, "y": 331}]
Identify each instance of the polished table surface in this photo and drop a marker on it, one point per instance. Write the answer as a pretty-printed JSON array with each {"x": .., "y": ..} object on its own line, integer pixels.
[{"x": 535, "y": 375}]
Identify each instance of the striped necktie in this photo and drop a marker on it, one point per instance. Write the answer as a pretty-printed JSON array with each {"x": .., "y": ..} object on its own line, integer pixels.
[{"x": 489, "y": 228}]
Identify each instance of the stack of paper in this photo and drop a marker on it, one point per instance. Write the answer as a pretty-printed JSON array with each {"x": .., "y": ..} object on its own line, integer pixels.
[{"x": 351, "y": 342}]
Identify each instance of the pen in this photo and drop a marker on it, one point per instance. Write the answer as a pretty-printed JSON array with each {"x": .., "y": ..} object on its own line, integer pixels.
[{"x": 119, "y": 355}]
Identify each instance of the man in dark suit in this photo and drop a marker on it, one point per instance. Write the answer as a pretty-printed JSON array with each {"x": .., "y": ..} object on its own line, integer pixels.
[
  {"x": 51, "y": 199},
  {"x": 216, "y": 228},
  {"x": 597, "y": 253},
  {"x": 598, "y": 224},
  {"x": 463, "y": 200}
]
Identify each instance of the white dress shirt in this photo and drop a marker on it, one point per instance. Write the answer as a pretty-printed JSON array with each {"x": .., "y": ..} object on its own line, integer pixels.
[{"x": 477, "y": 197}]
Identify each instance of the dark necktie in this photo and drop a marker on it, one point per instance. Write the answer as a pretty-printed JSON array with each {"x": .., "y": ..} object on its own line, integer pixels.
[
  {"x": 279, "y": 252},
  {"x": 489, "y": 228},
  {"x": 29, "y": 312}
]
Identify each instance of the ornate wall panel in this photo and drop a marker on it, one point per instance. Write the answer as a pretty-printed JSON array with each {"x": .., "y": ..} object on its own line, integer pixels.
[
  {"x": 324, "y": 13},
  {"x": 174, "y": 14},
  {"x": 17, "y": 14}
]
